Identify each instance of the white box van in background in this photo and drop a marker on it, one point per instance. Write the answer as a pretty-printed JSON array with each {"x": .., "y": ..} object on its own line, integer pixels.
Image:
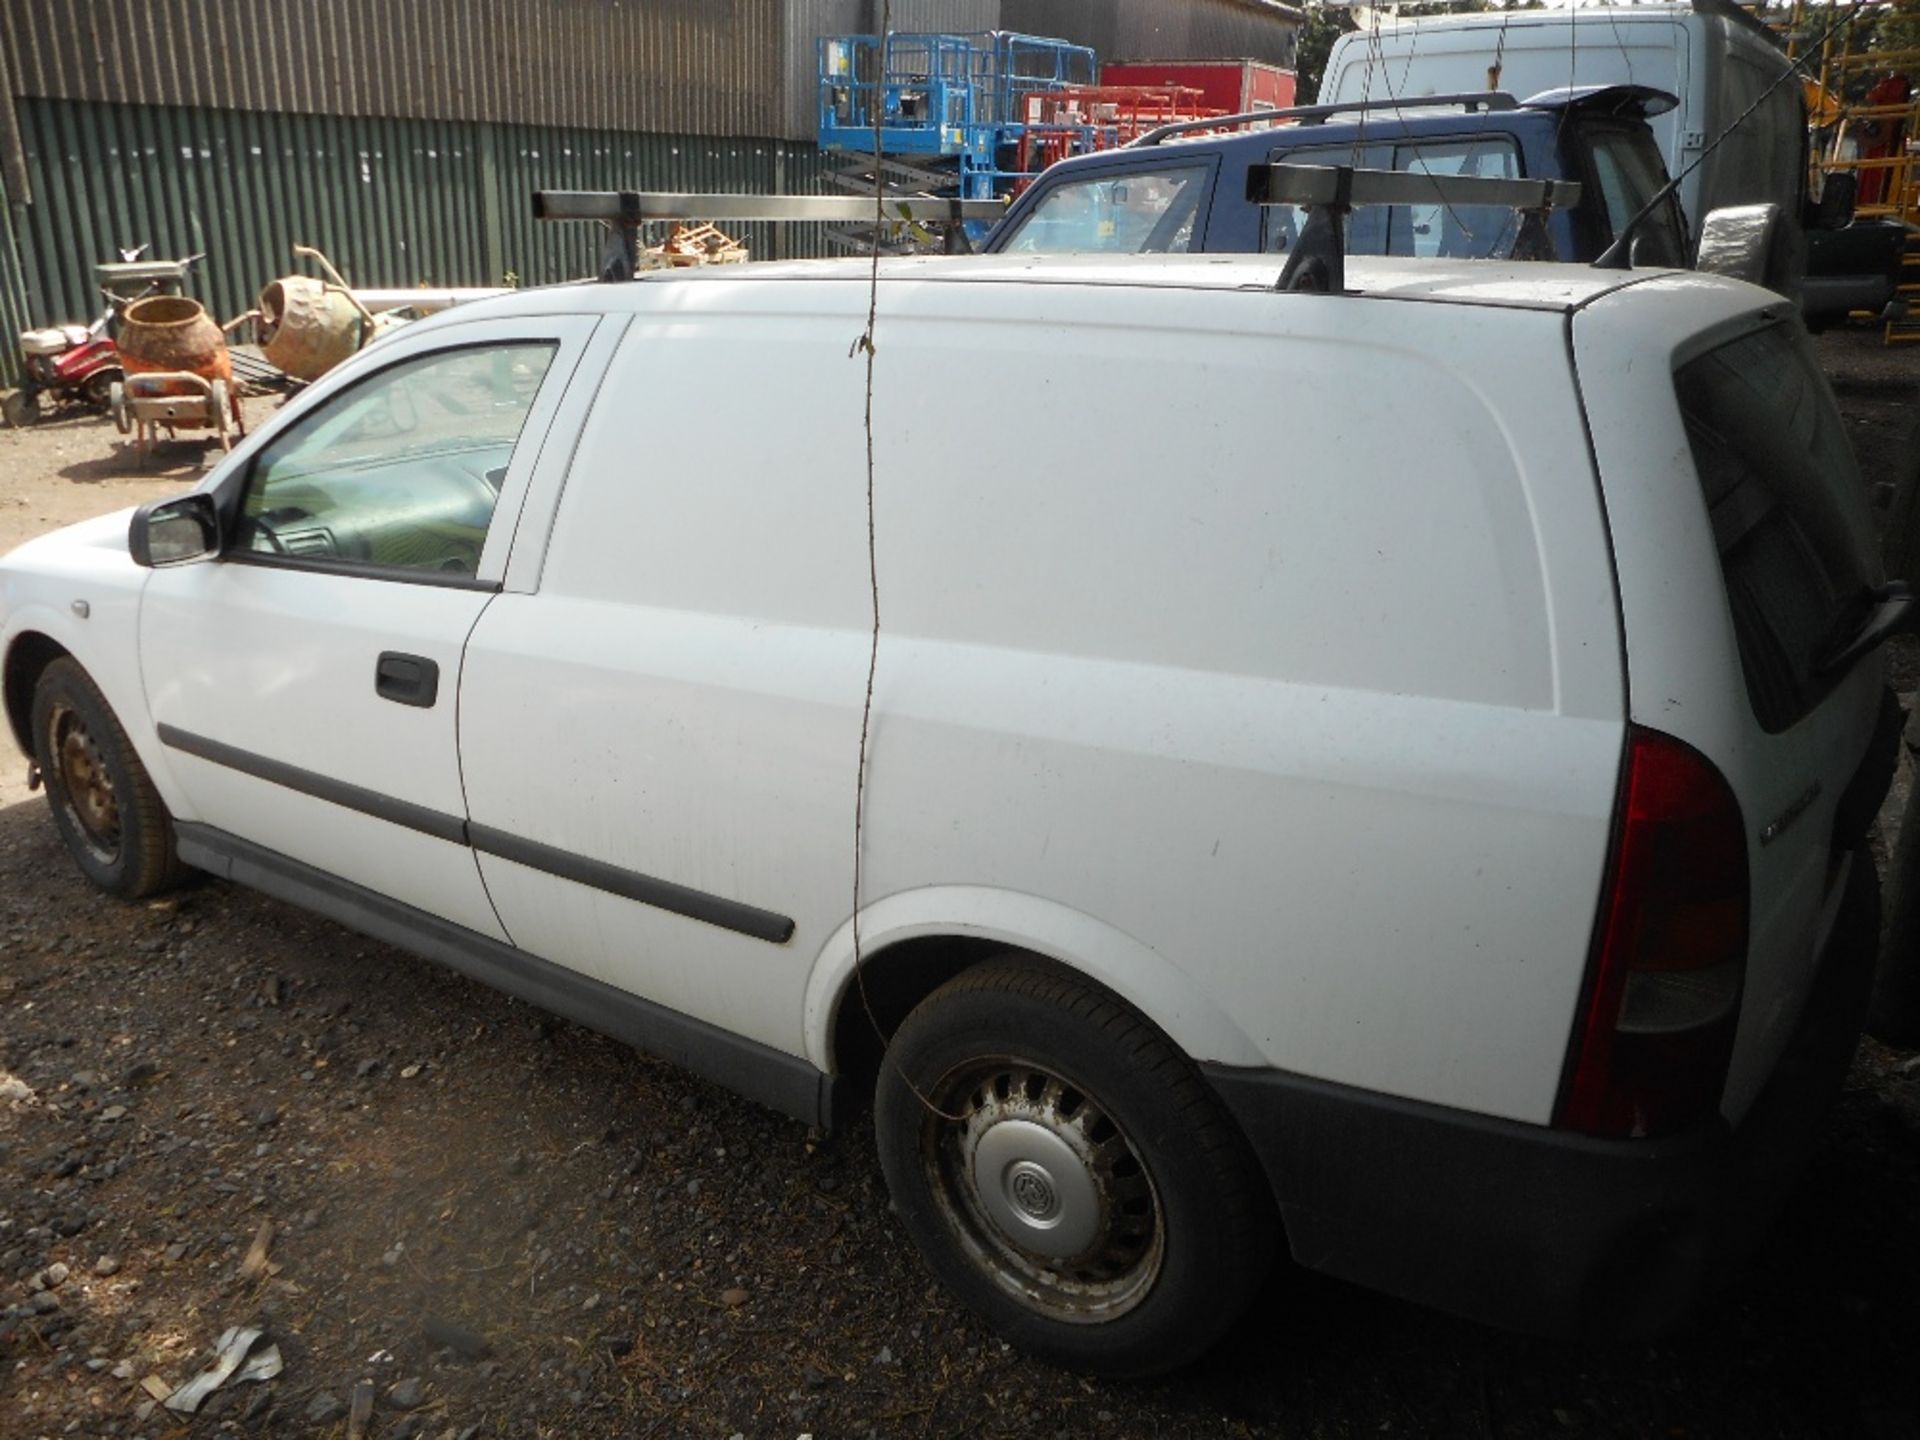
[{"x": 1716, "y": 63}]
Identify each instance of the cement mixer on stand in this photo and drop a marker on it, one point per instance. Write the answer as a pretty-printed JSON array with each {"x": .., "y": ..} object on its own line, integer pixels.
[
  {"x": 306, "y": 326},
  {"x": 179, "y": 375}
]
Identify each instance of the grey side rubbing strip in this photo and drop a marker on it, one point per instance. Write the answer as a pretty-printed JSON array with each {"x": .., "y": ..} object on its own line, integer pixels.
[
  {"x": 728, "y": 914},
  {"x": 661, "y": 894},
  {"x": 774, "y": 1078},
  {"x": 321, "y": 787}
]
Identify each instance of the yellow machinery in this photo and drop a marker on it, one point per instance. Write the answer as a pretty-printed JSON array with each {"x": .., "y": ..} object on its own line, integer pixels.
[{"x": 1865, "y": 112}]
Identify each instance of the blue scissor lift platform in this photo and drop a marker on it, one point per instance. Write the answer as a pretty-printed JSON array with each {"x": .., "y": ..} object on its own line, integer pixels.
[{"x": 951, "y": 108}]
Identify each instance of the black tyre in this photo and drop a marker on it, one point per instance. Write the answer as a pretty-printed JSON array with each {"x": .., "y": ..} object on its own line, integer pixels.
[
  {"x": 20, "y": 408},
  {"x": 98, "y": 391},
  {"x": 1066, "y": 1171},
  {"x": 102, "y": 798}
]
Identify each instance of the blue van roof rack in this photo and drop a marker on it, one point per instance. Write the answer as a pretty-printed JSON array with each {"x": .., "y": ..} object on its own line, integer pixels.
[
  {"x": 1314, "y": 114},
  {"x": 1328, "y": 192}
]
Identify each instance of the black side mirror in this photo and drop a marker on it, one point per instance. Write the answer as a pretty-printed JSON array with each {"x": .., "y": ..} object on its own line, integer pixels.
[
  {"x": 1837, "y": 195},
  {"x": 174, "y": 532}
]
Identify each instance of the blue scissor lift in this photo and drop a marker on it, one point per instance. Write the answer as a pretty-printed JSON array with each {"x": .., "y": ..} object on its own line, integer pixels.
[{"x": 952, "y": 108}]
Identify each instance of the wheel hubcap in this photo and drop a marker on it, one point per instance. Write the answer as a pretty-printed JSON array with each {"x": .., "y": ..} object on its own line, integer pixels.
[
  {"x": 1037, "y": 1188},
  {"x": 1044, "y": 1190},
  {"x": 85, "y": 784}
]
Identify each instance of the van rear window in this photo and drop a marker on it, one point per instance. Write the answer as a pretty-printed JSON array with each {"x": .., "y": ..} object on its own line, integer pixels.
[{"x": 1783, "y": 491}]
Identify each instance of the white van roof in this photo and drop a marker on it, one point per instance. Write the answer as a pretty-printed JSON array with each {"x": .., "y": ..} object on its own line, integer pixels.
[{"x": 1525, "y": 285}]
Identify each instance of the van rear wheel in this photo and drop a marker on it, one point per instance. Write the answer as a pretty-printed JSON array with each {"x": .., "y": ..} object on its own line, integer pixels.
[{"x": 1066, "y": 1171}]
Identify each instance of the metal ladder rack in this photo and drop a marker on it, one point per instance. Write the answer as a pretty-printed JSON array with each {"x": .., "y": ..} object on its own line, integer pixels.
[{"x": 623, "y": 212}]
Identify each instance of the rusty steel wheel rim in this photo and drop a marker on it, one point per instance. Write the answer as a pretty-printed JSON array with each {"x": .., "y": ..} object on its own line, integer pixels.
[
  {"x": 86, "y": 785},
  {"x": 1043, "y": 1190}
]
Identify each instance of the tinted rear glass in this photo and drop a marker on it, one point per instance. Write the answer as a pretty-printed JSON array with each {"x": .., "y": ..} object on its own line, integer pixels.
[
  {"x": 1783, "y": 491},
  {"x": 1628, "y": 172}
]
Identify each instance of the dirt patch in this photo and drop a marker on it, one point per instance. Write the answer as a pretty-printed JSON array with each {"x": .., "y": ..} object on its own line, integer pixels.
[
  {"x": 74, "y": 465},
  {"x": 551, "y": 1235}
]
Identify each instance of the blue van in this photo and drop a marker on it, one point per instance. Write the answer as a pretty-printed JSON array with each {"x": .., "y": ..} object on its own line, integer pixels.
[{"x": 1191, "y": 187}]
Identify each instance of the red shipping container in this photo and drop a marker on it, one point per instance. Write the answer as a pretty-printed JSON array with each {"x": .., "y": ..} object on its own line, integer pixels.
[{"x": 1229, "y": 86}]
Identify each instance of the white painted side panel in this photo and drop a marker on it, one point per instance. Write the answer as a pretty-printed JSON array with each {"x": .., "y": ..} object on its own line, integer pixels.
[
  {"x": 40, "y": 582},
  {"x": 682, "y": 697},
  {"x": 1270, "y": 677},
  {"x": 1290, "y": 657},
  {"x": 709, "y": 751},
  {"x": 280, "y": 663},
  {"x": 1379, "y": 890}
]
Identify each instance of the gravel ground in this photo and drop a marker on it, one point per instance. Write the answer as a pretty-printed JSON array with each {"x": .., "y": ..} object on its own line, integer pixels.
[{"x": 500, "y": 1224}]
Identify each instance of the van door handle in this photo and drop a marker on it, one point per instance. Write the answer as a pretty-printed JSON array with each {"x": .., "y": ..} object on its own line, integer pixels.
[{"x": 406, "y": 679}]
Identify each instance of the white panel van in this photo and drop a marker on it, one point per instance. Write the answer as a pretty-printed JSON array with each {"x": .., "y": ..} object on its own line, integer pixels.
[{"x": 1380, "y": 776}]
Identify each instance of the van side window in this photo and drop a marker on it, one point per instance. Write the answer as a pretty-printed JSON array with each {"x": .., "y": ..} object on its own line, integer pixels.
[
  {"x": 1458, "y": 231},
  {"x": 1628, "y": 172},
  {"x": 1280, "y": 225},
  {"x": 1462, "y": 232},
  {"x": 400, "y": 472},
  {"x": 1139, "y": 212}
]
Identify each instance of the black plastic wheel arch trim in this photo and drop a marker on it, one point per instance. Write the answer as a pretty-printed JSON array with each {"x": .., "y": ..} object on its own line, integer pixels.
[
  {"x": 780, "y": 1081},
  {"x": 735, "y": 915}
]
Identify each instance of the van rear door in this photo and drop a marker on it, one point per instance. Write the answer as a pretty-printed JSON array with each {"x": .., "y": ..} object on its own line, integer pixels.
[{"x": 1745, "y": 559}]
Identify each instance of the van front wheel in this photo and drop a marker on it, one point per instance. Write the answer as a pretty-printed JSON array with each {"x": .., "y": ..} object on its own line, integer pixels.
[
  {"x": 104, "y": 803},
  {"x": 1067, "y": 1172}
]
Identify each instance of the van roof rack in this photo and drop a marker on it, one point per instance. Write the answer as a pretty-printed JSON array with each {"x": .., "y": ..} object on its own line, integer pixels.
[
  {"x": 625, "y": 211},
  {"x": 1314, "y": 114},
  {"x": 1330, "y": 192}
]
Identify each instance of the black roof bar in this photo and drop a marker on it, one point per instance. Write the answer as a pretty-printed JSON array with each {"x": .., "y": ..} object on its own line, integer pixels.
[
  {"x": 1329, "y": 192},
  {"x": 1313, "y": 114}
]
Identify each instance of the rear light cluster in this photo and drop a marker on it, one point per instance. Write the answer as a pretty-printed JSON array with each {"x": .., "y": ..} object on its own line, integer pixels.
[{"x": 1654, "y": 1038}]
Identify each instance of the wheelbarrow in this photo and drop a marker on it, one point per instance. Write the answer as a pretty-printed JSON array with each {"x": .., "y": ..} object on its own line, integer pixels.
[{"x": 177, "y": 400}]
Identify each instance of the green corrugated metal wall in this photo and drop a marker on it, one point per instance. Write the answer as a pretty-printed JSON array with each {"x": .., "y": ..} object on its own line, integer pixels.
[
  {"x": 392, "y": 202},
  {"x": 15, "y": 315}
]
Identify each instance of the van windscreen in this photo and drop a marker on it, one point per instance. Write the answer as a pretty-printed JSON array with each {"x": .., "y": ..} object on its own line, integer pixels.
[{"x": 1783, "y": 492}]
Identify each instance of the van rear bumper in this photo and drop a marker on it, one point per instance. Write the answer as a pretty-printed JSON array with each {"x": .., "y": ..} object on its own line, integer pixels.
[{"x": 1541, "y": 1230}]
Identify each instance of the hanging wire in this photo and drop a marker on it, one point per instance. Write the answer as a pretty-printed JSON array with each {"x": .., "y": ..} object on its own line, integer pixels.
[
  {"x": 1399, "y": 113},
  {"x": 864, "y": 345}
]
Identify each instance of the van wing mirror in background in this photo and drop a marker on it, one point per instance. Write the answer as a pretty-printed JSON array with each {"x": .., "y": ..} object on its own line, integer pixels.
[
  {"x": 1834, "y": 210},
  {"x": 1760, "y": 244},
  {"x": 174, "y": 532}
]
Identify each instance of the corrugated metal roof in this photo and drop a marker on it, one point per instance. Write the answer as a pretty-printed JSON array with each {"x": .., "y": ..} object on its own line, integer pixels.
[
  {"x": 705, "y": 66},
  {"x": 1157, "y": 30},
  {"x": 711, "y": 67}
]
